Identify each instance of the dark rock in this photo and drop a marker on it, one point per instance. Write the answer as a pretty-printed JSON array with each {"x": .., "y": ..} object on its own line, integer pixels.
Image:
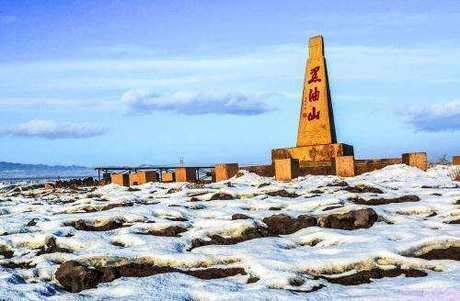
[
  {"x": 248, "y": 234},
  {"x": 239, "y": 216},
  {"x": 221, "y": 196},
  {"x": 283, "y": 224},
  {"x": 362, "y": 277},
  {"x": 18, "y": 265},
  {"x": 177, "y": 219},
  {"x": 173, "y": 190},
  {"x": 362, "y": 189},
  {"x": 355, "y": 219},
  {"x": 6, "y": 251},
  {"x": 51, "y": 247},
  {"x": 75, "y": 277},
  {"x": 275, "y": 208},
  {"x": 338, "y": 184},
  {"x": 88, "y": 226},
  {"x": 32, "y": 222},
  {"x": 451, "y": 253},
  {"x": 170, "y": 231},
  {"x": 332, "y": 207},
  {"x": 383, "y": 201},
  {"x": 283, "y": 193}
]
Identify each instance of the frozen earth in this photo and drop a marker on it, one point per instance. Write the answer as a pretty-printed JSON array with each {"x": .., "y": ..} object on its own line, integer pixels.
[{"x": 393, "y": 234}]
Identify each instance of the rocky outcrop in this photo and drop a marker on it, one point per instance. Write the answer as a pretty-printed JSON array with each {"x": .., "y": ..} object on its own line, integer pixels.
[
  {"x": 282, "y": 224},
  {"x": 75, "y": 277},
  {"x": 355, "y": 219},
  {"x": 383, "y": 201}
]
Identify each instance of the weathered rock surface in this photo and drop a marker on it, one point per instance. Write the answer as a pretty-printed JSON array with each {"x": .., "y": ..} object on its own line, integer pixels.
[
  {"x": 355, "y": 219},
  {"x": 383, "y": 201},
  {"x": 75, "y": 277},
  {"x": 282, "y": 224}
]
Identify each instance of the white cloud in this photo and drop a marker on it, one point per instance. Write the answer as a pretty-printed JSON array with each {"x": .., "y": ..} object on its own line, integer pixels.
[
  {"x": 436, "y": 118},
  {"x": 190, "y": 103},
  {"x": 50, "y": 129}
]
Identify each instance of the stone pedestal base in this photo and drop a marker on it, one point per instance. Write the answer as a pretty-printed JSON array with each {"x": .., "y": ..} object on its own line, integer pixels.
[
  {"x": 168, "y": 176},
  {"x": 225, "y": 171},
  {"x": 456, "y": 160},
  {"x": 185, "y": 174},
  {"x": 120, "y": 179},
  {"x": 418, "y": 160},
  {"x": 142, "y": 177},
  {"x": 314, "y": 155},
  {"x": 345, "y": 166},
  {"x": 286, "y": 169}
]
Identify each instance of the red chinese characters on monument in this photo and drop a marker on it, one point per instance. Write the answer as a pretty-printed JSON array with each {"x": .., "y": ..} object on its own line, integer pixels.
[{"x": 313, "y": 94}]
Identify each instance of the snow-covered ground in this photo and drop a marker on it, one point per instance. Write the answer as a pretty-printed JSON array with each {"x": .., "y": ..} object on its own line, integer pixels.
[{"x": 260, "y": 228}]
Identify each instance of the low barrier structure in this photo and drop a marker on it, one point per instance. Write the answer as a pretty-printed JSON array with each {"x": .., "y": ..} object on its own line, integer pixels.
[
  {"x": 456, "y": 160},
  {"x": 286, "y": 169},
  {"x": 225, "y": 171},
  {"x": 120, "y": 179},
  {"x": 185, "y": 174},
  {"x": 168, "y": 176},
  {"x": 142, "y": 177}
]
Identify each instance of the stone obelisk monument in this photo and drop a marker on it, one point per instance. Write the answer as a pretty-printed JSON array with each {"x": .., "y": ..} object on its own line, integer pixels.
[
  {"x": 316, "y": 124},
  {"x": 317, "y": 145}
]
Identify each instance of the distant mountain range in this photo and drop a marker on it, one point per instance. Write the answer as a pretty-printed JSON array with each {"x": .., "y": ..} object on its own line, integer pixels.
[{"x": 9, "y": 170}]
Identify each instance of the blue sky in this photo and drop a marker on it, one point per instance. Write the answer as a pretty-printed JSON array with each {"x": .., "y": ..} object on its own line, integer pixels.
[{"x": 133, "y": 82}]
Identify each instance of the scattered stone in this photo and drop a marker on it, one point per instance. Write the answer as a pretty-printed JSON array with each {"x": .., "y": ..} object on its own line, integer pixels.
[
  {"x": 221, "y": 196},
  {"x": 450, "y": 253},
  {"x": 6, "y": 251},
  {"x": 239, "y": 216},
  {"x": 283, "y": 193},
  {"x": 171, "y": 231},
  {"x": 383, "y": 201},
  {"x": 177, "y": 219},
  {"x": 275, "y": 208},
  {"x": 75, "y": 183},
  {"x": 362, "y": 277},
  {"x": 338, "y": 184},
  {"x": 173, "y": 190},
  {"x": 283, "y": 224},
  {"x": 75, "y": 277},
  {"x": 18, "y": 265},
  {"x": 361, "y": 188},
  {"x": 355, "y": 219},
  {"x": 51, "y": 247},
  {"x": 332, "y": 207},
  {"x": 32, "y": 222},
  {"x": 96, "y": 226},
  {"x": 248, "y": 234}
]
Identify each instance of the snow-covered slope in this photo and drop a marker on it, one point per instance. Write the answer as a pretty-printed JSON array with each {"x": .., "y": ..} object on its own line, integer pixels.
[{"x": 391, "y": 234}]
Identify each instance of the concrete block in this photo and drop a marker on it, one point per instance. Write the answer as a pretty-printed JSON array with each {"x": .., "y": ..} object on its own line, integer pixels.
[
  {"x": 168, "y": 176},
  {"x": 120, "y": 179},
  {"x": 225, "y": 171},
  {"x": 345, "y": 166},
  {"x": 456, "y": 160},
  {"x": 286, "y": 169},
  {"x": 418, "y": 160},
  {"x": 185, "y": 174},
  {"x": 142, "y": 177}
]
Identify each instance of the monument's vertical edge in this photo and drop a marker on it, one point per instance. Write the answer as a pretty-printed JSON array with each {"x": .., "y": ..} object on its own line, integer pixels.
[{"x": 316, "y": 124}]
